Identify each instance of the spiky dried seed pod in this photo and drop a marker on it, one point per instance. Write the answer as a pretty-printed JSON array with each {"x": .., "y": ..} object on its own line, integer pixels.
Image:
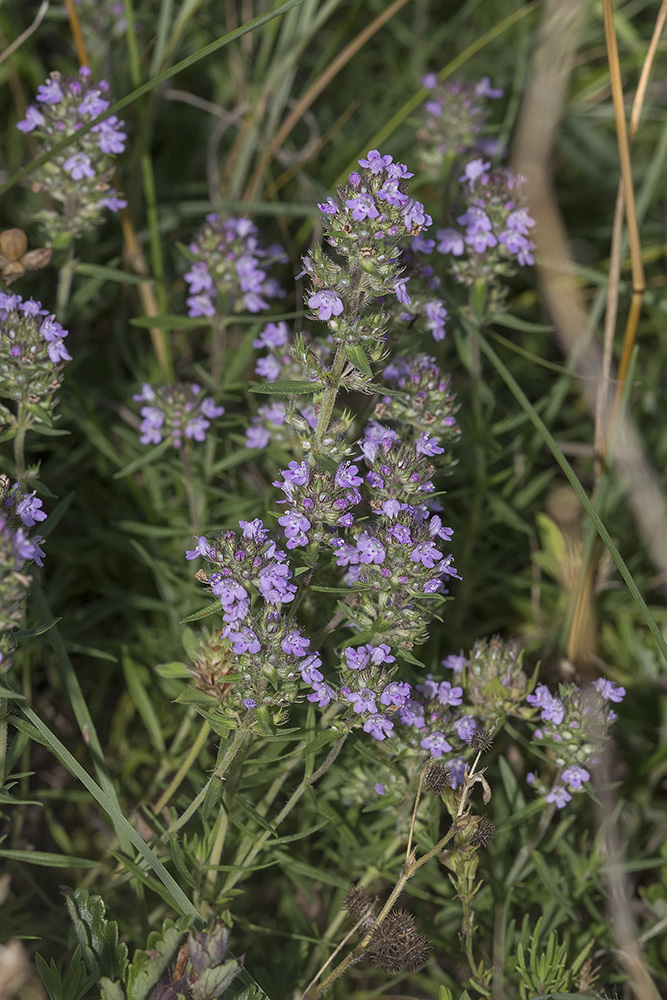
[
  {"x": 482, "y": 835},
  {"x": 481, "y": 741},
  {"x": 360, "y": 905},
  {"x": 397, "y": 945},
  {"x": 437, "y": 779}
]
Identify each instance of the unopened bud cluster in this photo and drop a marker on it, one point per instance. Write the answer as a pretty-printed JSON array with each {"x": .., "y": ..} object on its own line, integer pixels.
[
  {"x": 32, "y": 352},
  {"x": 455, "y": 116},
  {"x": 79, "y": 176}
]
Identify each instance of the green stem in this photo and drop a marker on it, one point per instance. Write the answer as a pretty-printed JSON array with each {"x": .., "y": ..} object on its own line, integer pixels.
[
  {"x": 23, "y": 424},
  {"x": 65, "y": 276},
  {"x": 183, "y": 769},
  {"x": 231, "y": 752},
  {"x": 190, "y": 490}
]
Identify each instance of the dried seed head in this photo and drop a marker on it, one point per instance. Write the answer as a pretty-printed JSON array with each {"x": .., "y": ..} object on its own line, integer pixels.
[
  {"x": 360, "y": 905},
  {"x": 437, "y": 779},
  {"x": 397, "y": 945},
  {"x": 482, "y": 835},
  {"x": 481, "y": 741}
]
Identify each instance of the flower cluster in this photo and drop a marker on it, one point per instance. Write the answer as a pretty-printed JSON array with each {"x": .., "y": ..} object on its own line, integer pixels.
[
  {"x": 366, "y": 222},
  {"x": 79, "y": 176},
  {"x": 19, "y": 511},
  {"x": 426, "y": 403},
  {"x": 271, "y": 654},
  {"x": 398, "y": 469},
  {"x": 399, "y": 566},
  {"x": 496, "y": 683},
  {"x": 32, "y": 352},
  {"x": 495, "y": 225},
  {"x": 574, "y": 727},
  {"x": 455, "y": 116},
  {"x": 229, "y": 269},
  {"x": 178, "y": 410},
  {"x": 426, "y": 310},
  {"x": 315, "y": 499}
]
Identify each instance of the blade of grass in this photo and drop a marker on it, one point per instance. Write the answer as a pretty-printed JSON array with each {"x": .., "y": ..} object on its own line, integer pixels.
[{"x": 110, "y": 806}]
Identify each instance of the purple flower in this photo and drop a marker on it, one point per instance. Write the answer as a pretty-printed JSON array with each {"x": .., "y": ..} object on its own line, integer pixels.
[
  {"x": 415, "y": 215},
  {"x": 455, "y": 663},
  {"x": 112, "y": 138},
  {"x": 250, "y": 703},
  {"x": 400, "y": 291},
  {"x": 347, "y": 475},
  {"x": 203, "y": 548},
  {"x": 28, "y": 509},
  {"x": 94, "y": 104},
  {"x": 375, "y": 162},
  {"x": 396, "y": 693},
  {"x": 274, "y": 585},
  {"x": 412, "y": 714},
  {"x": 363, "y": 207},
  {"x": 297, "y": 473},
  {"x": 268, "y": 367},
  {"x": 327, "y": 302},
  {"x": 371, "y": 550},
  {"x": 273, "y": 335},
  {"x": 575, "y": 776},
  {"x": 33, "y": 119},
  {"x": 79, "y": 166},
  {"x": 552, "y": 708},
  {"x": 363, "y": 701},
  {"x": 378, "y": 726},
  {"x": 210, "y": 408},
  {"x": 436, "y": 744},
  {"x": 196, "y": 428},
  {"x": 295, "y": 644},
  {"x": 465, "y": 727},
  {"x": 436, "y": 314},
  {"x": 257, "y": 437},
  {"x": 426, "y": 554},
  {"x": 484, "y": 89},
  {"x": 295, "y": 526},
  {"x": 50, "y": 92},
  {"x": 378, "y": 788},
  {"x": 244, "y": 641},
  {"x": 450, "y": 241},
  {"x": 310, "y": 671},
  {"x": 608, "y": 690},
  {"x": 448, "y": 695},
  {"x": 322, "y": 694},
  {"x": 559, "y": 796},
  {"x": 427, "y": 445},
  {"x": 473, "y": 171},
  {"x": 198, "y": 278}
]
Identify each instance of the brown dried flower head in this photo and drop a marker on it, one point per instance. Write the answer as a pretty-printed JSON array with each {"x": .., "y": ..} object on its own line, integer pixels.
[{"x": 16, "y": 259}]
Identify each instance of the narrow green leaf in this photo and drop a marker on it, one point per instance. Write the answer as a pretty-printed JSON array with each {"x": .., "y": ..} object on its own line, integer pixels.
[
  {"x": 357, "y": 357},
  {"x": 107, "y": 273},
  {"x": 45, "y": 859},
  {"x": 171, "y": 670},
  {"x": 28, "y": 633},
  {"x": 206, "y": 612},
  {"x": 168, "y": 322},
  {"x": 133, "y": 677},
  {"x": 145, "y": 459},
  {"x": 286, "y": 387}
]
